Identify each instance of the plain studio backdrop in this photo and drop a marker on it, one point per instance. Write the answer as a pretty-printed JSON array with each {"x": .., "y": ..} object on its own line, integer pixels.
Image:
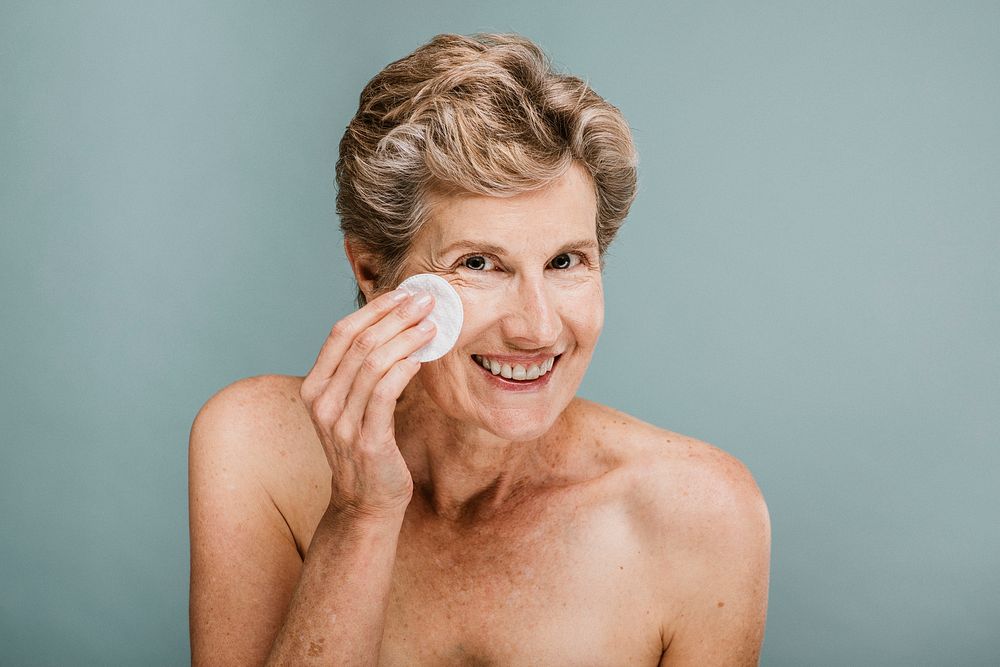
[{"x": 809, "y": 280}]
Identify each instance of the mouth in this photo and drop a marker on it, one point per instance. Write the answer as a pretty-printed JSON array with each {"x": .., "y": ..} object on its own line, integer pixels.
[{"x": 535, "y": 373}]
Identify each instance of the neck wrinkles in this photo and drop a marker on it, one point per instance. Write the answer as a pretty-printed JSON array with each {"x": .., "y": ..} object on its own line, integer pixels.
[{"x": 464, "y": 472}]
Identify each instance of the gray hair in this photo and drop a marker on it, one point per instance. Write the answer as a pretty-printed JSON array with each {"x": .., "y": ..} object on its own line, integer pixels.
[{"x": 483, "y": 114}]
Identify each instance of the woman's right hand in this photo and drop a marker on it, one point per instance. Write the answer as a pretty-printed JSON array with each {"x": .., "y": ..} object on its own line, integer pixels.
[{"x": 351, "y": 394}]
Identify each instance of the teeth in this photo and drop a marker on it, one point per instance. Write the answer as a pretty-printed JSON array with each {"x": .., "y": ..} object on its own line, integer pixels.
[{"x": 515, "y": 371}]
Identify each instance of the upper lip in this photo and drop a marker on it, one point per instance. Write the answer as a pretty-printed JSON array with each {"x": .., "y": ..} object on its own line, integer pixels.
[{"x": 523, "y": 359}]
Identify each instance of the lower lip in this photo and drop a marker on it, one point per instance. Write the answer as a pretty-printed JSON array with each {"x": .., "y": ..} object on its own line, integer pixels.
[{"x": 517, "y": 385}]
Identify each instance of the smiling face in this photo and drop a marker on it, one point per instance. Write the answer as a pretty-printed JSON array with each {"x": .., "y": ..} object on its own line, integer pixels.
[{"x": 527, "y": 270}]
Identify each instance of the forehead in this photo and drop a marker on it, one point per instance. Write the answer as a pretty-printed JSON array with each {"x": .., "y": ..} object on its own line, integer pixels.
[{"x": 565, "y": 209}]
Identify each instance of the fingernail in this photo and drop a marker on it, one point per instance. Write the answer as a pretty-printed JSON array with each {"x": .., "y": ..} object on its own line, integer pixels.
[
  {"x": 398, "y": 295},
  {"x": 423, "y": 300},
  {"x": 425, "y": 325}
]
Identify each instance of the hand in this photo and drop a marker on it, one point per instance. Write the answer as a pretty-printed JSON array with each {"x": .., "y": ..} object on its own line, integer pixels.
[{"x": 351, "y": 394}]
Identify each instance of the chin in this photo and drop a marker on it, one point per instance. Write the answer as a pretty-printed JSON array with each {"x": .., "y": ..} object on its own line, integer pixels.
[
  {"x": 514, "y": 417},
  {"x": 518, "y": 425}
]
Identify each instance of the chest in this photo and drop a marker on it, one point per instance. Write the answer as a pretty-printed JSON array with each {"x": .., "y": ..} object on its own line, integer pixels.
[{"x": 564, "y": 588}]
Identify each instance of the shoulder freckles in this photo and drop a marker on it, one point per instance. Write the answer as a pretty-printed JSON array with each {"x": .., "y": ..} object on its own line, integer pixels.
[
  {"x": 707, "y": 535},
  {"x": 710, "y": 472},
  {"x": 666, "y": 463},
  {"x": 255, "y": 408},
  {"x": 697, "y": 487}
]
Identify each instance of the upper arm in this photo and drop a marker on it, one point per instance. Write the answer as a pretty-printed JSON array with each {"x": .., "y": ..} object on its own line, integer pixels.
[
  {"x": 244, "y": 562},
  {"x": 724, "y": 577}
]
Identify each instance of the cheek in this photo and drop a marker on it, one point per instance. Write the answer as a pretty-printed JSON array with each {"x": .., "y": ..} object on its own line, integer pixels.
[
  {"x": 446, "y": 372},
  {"x": 580, "y": 305},
  {"x": 584, "y": 312},
  {"x": 480, "y": 313},
  {"x": 442, "y": 381}
]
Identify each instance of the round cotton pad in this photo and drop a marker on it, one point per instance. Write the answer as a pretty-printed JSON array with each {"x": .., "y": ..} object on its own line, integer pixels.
[{"x": 447, "y": 314}]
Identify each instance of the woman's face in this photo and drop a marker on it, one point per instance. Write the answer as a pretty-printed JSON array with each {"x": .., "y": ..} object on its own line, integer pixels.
[{"x": 527, "y": 270}]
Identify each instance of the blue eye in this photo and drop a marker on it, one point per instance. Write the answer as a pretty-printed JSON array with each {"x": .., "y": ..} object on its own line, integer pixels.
[{"x": 564, "y": 261}]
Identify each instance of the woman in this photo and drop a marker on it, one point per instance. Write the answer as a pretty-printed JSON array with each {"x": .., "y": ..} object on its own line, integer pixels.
[{"x": 469, "y": 510}]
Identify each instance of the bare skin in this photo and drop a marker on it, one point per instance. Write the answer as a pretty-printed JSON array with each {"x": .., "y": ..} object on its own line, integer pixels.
[{"x": 447, "y": 519}]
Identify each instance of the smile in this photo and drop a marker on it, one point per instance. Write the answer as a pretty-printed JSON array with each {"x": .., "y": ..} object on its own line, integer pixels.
[{"x": 518, "y": 372}]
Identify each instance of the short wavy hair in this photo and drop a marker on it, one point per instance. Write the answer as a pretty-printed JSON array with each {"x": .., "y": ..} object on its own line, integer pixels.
[{"x": 483, "y": 114}]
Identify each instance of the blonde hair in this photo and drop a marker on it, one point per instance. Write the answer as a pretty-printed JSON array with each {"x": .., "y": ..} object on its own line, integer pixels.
[{"x": 483, "y": 114}]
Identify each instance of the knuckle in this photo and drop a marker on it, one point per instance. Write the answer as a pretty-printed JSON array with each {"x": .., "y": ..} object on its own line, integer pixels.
[
  {"x": 342, "y": 329},
  {"x": 383, "y": 393},
  {"x": 306, "y": 392},
  {"x": 406, "y": 312},
  {"x": 373, "y": 363},
  {"x": 342, "y": 431},
  {"x": 417, "y": 333},
  {"x": 385, "y": 302},
  {"x": 311, "y": 388},
  {"x": 368, "y": 448},
  {"x": 326, "y": 410},
  {"x": 365, "y": 342}
]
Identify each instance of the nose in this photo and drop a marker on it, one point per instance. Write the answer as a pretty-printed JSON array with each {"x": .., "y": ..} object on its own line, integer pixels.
[{"x": 532, "y": 315}]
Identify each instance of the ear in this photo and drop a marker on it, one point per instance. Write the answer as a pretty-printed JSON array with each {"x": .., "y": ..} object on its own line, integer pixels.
[{"x": 364, "y": 266}]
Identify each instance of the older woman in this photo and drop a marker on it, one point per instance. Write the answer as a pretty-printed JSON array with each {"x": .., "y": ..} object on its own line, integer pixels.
[{"x": 471, "y": 509}]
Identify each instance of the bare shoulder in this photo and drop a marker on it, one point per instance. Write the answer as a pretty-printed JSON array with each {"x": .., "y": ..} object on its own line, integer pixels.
[
  {"x": 266, "y": 431},
  {"x": 246, "y": 446},
  {"x": 260, "y": 418},
  {"x": 261, "y": 402},
  {"x": 705, "y": 534},
  {"x": 674, "y": 477}
]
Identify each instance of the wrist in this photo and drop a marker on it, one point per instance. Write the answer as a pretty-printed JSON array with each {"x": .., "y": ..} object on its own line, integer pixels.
[{"x": 355, "y": 513}]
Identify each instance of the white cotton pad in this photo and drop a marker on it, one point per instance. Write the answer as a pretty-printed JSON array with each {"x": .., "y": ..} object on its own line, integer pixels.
[{"x": 447, "y": 314}]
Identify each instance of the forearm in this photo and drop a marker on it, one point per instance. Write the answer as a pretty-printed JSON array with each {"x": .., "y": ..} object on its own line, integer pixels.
[{"x": 337, "y": 612}]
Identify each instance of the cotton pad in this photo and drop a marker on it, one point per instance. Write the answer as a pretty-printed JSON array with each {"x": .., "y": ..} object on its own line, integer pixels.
[{"x": 447, "y": 314}]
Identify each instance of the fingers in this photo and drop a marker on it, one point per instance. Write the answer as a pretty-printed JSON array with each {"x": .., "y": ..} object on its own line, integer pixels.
[
  {"x": 377, "y": 365},
  {"x": 365, "y": 349},
  {"x": 382, "y": 403},
  {"x": 366, "y": 359},
  {"x": 346, "y": 330},
  {"x": 352, "y": 389}
]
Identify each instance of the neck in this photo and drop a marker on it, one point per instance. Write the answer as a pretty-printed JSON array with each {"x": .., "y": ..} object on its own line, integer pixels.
[{"x": 464, "y": 472}]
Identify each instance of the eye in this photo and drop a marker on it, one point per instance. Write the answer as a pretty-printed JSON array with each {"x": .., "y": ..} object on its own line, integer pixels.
[
  {"x": 566, "y": 260},
  {"x": 477, "y": 263}
]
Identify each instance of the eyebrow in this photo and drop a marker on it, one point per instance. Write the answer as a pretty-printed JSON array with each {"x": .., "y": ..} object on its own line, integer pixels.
[{"x": 583, "y": 244}]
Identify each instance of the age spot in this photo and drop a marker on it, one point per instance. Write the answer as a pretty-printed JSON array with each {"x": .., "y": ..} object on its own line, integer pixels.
[{"x": 316, "y": 648}]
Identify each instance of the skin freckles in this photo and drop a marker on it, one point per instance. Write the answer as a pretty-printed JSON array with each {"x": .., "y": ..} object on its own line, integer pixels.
[
  {"x": 427, "y": 513},
  {"x": 527, "y": 270},
  {"x": 542, "y": 528},
  {"x": 516, "y": 300},
  {"x": 316, "y": 647}
]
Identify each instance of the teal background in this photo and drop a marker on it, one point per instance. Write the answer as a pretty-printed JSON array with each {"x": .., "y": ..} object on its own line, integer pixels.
[{"x": 808, "y": 280}]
